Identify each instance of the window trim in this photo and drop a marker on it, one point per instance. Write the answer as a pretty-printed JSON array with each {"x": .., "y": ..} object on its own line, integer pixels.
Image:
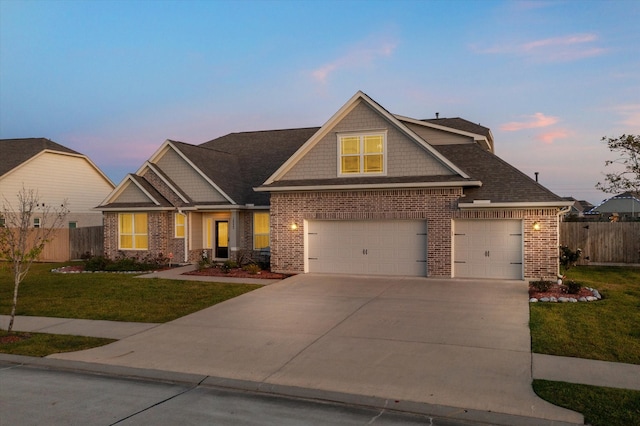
[
  {"x": 262, "y": 234},
  {"x": 37, "y": 222},
  {"x": 133, "y": 234},
  {"x": 361, "y": 136}
]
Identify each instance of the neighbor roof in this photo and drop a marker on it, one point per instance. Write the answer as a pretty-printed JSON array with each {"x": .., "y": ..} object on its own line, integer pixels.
[{"x": 17, "y": 151}]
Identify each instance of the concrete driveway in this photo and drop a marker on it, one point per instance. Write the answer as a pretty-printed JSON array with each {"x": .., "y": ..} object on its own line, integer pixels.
[{"x": 443, "y": 342}]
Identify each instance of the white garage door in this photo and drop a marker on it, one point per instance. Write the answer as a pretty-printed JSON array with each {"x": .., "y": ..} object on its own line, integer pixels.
[
  {"x": 488, "y": 249},
  {"x": 397, "y": 247}
]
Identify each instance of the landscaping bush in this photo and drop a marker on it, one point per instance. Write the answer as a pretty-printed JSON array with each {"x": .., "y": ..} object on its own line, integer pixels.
[
  {"x": 568, "y": 258},
  {"x": 573, "y": 287},
  {"x": 228, "y": 265},
  {"x": 541, "y": 285},
  {"x": 96, "y": 263},
  {"x": 251, "y": 268}
]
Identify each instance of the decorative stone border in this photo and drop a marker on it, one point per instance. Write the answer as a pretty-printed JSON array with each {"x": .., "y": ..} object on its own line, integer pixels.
[
  {"x": 596, "y": 296},
  {"x": 62, "y": 271}
]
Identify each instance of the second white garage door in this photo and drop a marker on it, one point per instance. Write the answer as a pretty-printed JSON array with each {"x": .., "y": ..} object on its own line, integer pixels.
[
  {"x": 386, "y": 247},
  {"x": 487, "y": 249}
]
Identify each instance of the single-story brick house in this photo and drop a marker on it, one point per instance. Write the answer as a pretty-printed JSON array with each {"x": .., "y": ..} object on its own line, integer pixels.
[{"x": 369, "y": 192}]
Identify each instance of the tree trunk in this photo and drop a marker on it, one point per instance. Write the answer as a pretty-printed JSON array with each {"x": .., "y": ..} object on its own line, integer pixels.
[{"x": 16, "y": 285}]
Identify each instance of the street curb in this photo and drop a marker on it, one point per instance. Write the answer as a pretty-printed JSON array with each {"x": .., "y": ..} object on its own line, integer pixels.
[{"x": 430, "y": 410}]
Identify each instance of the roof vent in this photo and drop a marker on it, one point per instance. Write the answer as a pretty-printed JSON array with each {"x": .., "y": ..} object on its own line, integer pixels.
[{"x": 437, "y": 115}]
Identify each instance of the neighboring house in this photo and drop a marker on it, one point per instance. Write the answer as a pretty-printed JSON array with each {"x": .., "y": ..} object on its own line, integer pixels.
[
  {"x": 57, "y": 173},
  {"x": 578, "y": 209},
  {"x": 369, "y": 192},
  {"x": 625, "y": 206}
]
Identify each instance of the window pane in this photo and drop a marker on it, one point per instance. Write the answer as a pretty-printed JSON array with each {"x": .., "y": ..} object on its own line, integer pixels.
[
  {"x": 126, "y": 241},
  {"x": 179, "y": 218},
  {"x": 126, "y": 225},
  {"x": 373, "y": 163},
  {"x": 261, "y": 241},
  {"x": 372, "y": 144},
  {"x": 350, "y": 164},
  {"x": 261, "y": 223},
  {"x": 350, "y": 145},
  {"x": 209, "y": 233},
  {"x": 140, "y": 223},
  {"x": 141, "y": 242}
]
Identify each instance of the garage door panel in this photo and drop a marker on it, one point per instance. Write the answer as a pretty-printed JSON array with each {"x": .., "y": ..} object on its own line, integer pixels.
[
  {"x": 488, "y": 249},
  {"x": 367, "y": 247}
]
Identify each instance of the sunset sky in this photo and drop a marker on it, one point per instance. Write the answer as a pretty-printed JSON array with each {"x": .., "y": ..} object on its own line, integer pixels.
[{"x": 114, "y": 79}]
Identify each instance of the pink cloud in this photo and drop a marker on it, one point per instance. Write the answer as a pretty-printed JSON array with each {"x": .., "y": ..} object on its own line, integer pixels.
[
  {"x": 551, "y": 136},
  {"x": 535, "y": 121},
  {"x": 357, "y": 57},
  {"x": 554, "y": 49}
]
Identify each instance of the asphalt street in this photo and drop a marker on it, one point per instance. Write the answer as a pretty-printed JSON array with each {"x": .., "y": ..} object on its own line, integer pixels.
[{"x": 37, "y": 396}]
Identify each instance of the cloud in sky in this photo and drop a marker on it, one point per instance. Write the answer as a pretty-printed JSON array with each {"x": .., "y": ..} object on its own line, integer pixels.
[
  {"x": 534, "y": 121},
  {"x": 550, "y": 136},
  {"x": 630, "y": 116},
  {"x": 358, "y": 56},
  {"x": 554, "y": 49}
]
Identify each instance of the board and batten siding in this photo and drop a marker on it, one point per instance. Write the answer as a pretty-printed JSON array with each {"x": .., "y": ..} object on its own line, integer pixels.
[
  {"x": 404, "y": 156},
  {"x": 59, "y": 177}
]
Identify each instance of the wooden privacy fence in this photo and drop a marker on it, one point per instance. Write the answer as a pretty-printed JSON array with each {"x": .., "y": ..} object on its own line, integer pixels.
[
  {"x": 603, "y": 242},
  {"x": 86, "y": 240},
  {"x": 70, "y": 244}
]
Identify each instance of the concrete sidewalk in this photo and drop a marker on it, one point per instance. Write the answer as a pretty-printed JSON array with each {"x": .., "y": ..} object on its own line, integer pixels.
[{"x": 546, "y": 367}]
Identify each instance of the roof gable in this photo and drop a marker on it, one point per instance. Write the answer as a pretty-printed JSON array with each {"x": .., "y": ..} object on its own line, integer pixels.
[
  {"x": 135, "y": 191},
  {"x": 334, "y": 121},
  {"x": 183, "y": 164}
]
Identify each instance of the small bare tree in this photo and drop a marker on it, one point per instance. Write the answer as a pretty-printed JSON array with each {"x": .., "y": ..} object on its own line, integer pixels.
[{"x": 20, "y": 242}]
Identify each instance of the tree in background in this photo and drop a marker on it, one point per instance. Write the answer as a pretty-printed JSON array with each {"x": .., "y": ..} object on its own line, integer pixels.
[
  {"x": 20, "y": 242},
  {"x": 628, "y": 149}
]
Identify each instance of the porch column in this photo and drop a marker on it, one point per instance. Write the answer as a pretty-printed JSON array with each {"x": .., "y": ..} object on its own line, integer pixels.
[{"x": 234, "y": 233}]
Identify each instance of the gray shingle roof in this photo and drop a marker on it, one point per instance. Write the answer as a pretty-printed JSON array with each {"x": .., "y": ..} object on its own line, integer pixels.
[
  {"x": 461, "y": 124},
  {"x": 501, "y": 182},
  {"x": 17, "y": 151},
  {"x": 252, "y": 158}
]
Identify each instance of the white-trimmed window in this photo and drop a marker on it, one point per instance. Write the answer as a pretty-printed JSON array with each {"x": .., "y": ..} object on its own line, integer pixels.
[
  {"x": 132, "y": 231},
  {"x": 73, "y": 225},
  {"x": 179, "y": 220},
  {"x": 261, "y": 229},
  {"x": 36, "y": 222},
  {"x": 362, "y": 154}
]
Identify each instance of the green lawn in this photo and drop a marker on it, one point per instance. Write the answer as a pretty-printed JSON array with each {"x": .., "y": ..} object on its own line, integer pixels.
[
  {"x": 115, "y": 297},
  {"x": 38, "y": 344},
  {"x": 600, "y": 406},
  {"x": 606, "y": 330}
]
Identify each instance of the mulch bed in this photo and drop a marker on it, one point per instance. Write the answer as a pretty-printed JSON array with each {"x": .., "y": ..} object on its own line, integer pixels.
[
  {"x": 237, "y": 273},
  {"x": 14, "y": 338},
  {"x": 556, "y": 291}
]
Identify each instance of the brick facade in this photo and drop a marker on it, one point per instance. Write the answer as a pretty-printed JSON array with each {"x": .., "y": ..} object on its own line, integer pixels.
[
  {"x": 437, "y": 206},
  {"x": 160, "y": 233},
  {"x": 540, "y": 247}
]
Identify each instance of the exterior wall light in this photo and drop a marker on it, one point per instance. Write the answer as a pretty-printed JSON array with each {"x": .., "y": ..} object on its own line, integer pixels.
[
  {"x": 294, "y": 226},
  {"x": 536, "y": 226}
]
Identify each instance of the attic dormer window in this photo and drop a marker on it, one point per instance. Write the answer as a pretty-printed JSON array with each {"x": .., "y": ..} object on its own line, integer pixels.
[{"x": 362, "y": 154}]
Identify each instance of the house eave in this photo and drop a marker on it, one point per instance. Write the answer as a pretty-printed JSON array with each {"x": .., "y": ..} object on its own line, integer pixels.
[
  {"x": 367, "y": 186},
  {"x": 485, "y": 204},
  {"x": 134, "y": 209}
]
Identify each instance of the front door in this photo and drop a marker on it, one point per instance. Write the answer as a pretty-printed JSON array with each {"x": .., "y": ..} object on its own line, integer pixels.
[{"x": 222, "y": 239}]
